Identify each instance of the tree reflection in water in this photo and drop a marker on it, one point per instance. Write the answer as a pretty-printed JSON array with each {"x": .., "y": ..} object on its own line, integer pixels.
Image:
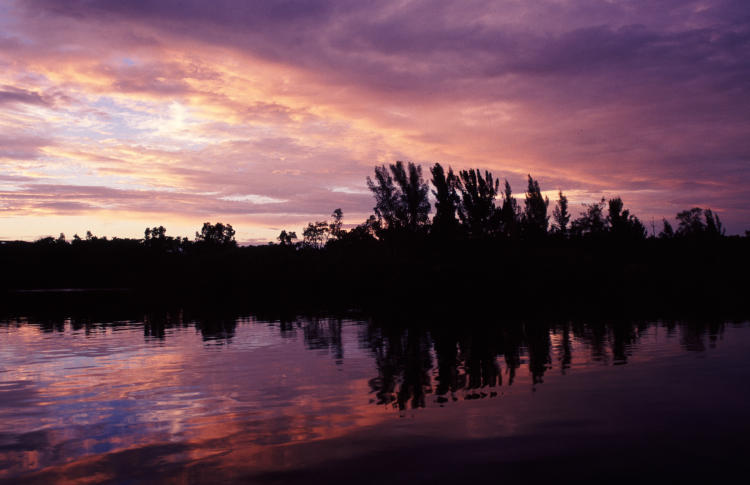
[{"x": 418, "y": 363}]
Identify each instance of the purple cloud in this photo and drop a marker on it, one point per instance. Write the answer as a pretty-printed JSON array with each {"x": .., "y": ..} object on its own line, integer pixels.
[{"x": 648, "y": 99}]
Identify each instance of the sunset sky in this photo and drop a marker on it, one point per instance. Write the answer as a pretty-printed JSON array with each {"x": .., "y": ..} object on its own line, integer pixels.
[{"x": 117, "y": 115}]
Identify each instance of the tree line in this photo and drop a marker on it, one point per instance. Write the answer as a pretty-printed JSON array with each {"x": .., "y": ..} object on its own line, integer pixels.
[
  {"x": 472, "y": 204},
  {"x": 468, "y": 205},
  {"x": 461, "y": 240}
]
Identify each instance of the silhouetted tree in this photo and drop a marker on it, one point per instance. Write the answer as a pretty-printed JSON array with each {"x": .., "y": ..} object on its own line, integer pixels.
[
  {"x": 334, "y": 228},
  {"x": 155, "y": 233},
  {"x": 690, "y": 222},
  {"x": 156, "y": 238},
  {"x": 446, "y": 200},
  {"x": 510, "y": 214},
  {"x": 697, "y": 222},
  {"x": 217, "y": 235},
  {"x": 622, "y": 224},
  {"x": 591, "y": 221},
  {"x": 364, "y": 232},
  {"x": 315, "y": 234},
  {"x": 287, "y": 238},
  {"x": 400, "y": 197},
  {"x": 561, "y": 215},
  {"x": 714, "y": 227},
  {"x": 667, "y": 232},
  {"x": 387, "y": 201},
  {"x": 413, "y": 194},
  {"x": 477, "y": 210},
  {"x": 535, "y": 219}
]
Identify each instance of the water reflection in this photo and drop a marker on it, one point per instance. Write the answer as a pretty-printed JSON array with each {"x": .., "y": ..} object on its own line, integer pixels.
[{"x": 198, "y": 395}]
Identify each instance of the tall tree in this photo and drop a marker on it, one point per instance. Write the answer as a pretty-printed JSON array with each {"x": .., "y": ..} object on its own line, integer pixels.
[
  {"x": 400, "y": 196},
  {"x": 622, "y": 224},
  {"x": 477, "y": 210},
  {"x": 510, "y": 214},
  {"x": 414, "y": 192},
  {"x": 335, "y": 226},
  {"x": 387, "y": 200},
  {"x": 446, "y": 200},
  {"x": 535, "y": 219},
  {"x": 561, "y": 215},
  {"x": 592, "y": 221},
  {"x": 714, "y": 227}
]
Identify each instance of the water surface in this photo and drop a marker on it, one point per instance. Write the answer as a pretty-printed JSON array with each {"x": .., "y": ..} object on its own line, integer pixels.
[{"x": 172, "y": 398}]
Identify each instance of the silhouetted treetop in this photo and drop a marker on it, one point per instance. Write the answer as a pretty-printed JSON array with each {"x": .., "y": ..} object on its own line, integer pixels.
[
  {"x": 447, "y": 200},
  {"x": 286, "y": 238},
  {"x": 591, "y": 221},
  {"x": 219, "y": 235},
  {"x": 561, "y": 215},
  {"x": 622, "y": 224},
  {"x": 477, "y": 210},
  {"x": 535, "y": 219},
  {"x": 316, "y": 235},
  {"x": 510, "y": 214},
  {"x": 400, "y": 197},
  {"x": 697, "y": 222}
]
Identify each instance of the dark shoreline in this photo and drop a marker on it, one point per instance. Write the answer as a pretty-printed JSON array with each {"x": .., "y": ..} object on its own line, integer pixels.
[{"x": 484, "y": 279}]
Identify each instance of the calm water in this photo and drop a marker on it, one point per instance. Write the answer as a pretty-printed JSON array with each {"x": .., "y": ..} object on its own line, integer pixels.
[{"x": 172, "y": 398}]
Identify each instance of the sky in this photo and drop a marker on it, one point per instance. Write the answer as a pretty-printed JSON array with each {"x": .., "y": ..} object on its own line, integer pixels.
[{"x": 115, "y": 116}]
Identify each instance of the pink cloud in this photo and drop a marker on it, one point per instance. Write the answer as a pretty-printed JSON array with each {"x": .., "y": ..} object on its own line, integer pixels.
[{"x": 291, "y": 100}]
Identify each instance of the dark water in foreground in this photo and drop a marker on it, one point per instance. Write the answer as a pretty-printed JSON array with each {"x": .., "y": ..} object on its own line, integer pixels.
[{"x": 175, "y": 399}]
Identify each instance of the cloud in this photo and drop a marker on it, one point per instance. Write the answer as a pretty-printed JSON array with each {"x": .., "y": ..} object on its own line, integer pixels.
[
  {"x": 9, "y": 94},
  {"x": 294, "y": 100}
]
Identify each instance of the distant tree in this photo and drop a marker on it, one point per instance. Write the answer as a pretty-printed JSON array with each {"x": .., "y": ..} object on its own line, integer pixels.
[
  {"x": 287, "y": 238},
  {"x": 667, "y": 232},
  {"x": 61, "y": 239},
  {"x": 535, "y": 220},
  {"x": 364, "y": 232},
  {"x": 697, "y": 222},
  {"x": 447, "y": 200},
  {"x": 592, "y": 220},
  {"x": 156, "y": 238},
  {"x": 714, "y": 227},
  {"x": 400, "y": 197},
  {"x": 561, "y": 215},
  {"x": 477, "y": 210},
  {"x": 217, "y": 235},
  {"x": 90, "y": 236},
  {"x": 622, "y": 224},
  {"x": 45, "y": 241},
  {"x": 690, "y": 222},
  {"x": 334, "y": 228},
  {"x": 316, "y": 234},
  {"x": 159, "y": 232},
  {"x": 510, "y": 214}
]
